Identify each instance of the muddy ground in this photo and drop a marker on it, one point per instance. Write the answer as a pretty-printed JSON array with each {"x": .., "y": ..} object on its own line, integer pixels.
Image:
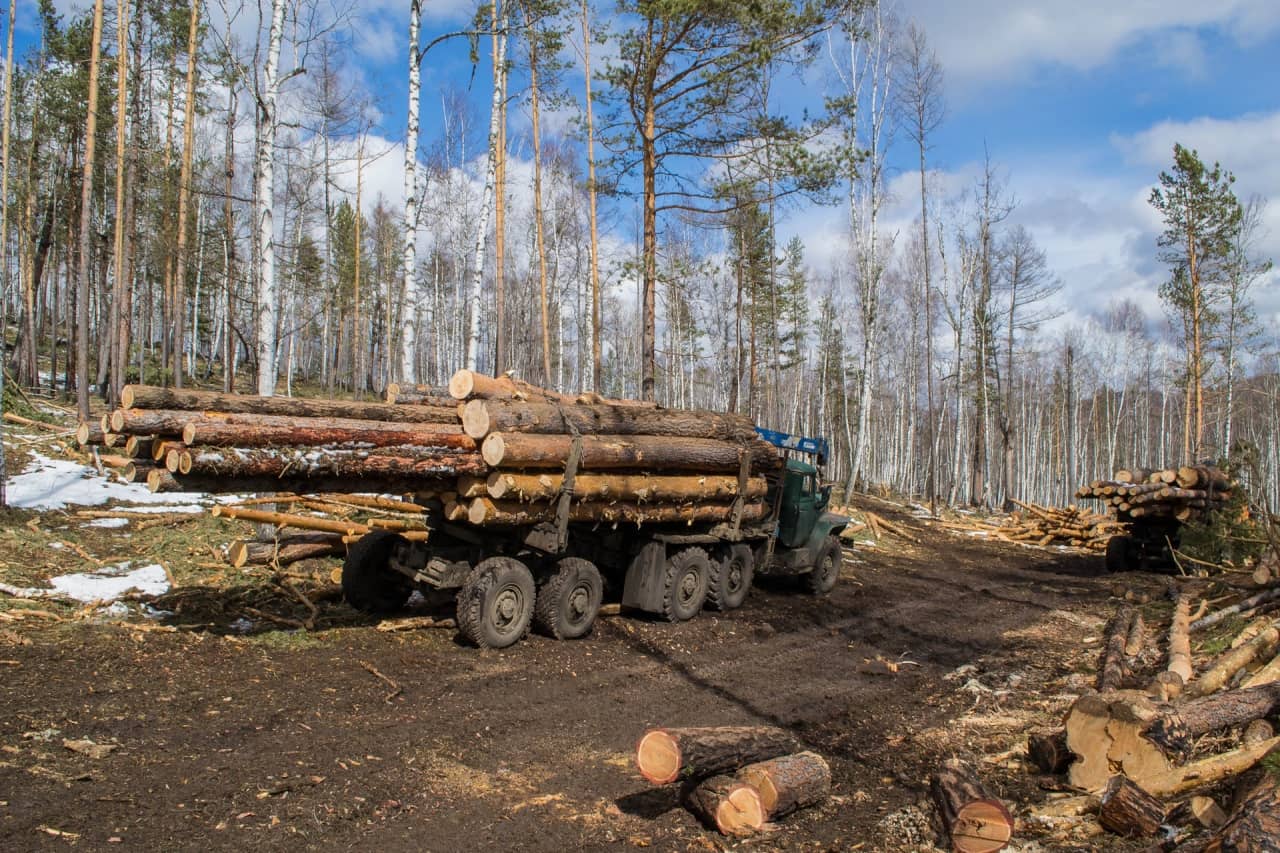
[{"x": 291, "y": 740}]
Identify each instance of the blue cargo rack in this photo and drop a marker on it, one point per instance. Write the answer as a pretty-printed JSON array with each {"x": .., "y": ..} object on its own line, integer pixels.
[{"x": 816, "y": 447}]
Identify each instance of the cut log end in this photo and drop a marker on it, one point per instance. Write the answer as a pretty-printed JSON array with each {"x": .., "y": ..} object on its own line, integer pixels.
[
  {"x": 658, "y": 757},
  {"x": 475, "y": 419},
  {"x": 462, "y": 384},
  {"x": 731, "y": 806},
  {"x": 982, "y": 826}
]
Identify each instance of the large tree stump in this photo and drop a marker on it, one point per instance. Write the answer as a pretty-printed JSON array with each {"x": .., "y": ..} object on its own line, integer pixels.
[
  {"x": 973, "y": 821},
  {"x": 789, "y": 782},
  {"x": 1254, "y": 827},
  {"x": 728, "y": 804},
  {"x": 665, "y": 755},
  {"x": 1128, "y": 810}
]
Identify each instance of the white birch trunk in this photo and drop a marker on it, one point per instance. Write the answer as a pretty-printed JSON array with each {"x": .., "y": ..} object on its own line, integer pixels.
[
  {"x": 408, "y": 315},
  {"x": 267, "y": 308},
  {"x": 490, "y": 178}
]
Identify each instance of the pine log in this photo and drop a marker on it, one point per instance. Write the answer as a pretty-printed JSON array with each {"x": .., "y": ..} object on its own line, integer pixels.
[
  {"x": 1254, "y": 827},
  {"x": 1231, "y": 662},
  {"x": 483, "y": 511},
  {"x": 475, "y": 487},
  {"x": 419, "y": 395},
  {"x": 1180, "y": 640},
  {"x": 1137, "y": 636},
  {"x": 375, "y": 502},
  {"x": 466, "y": 384},
  {"x": 161, "y": 480},
  {"x": 1048, "y": 751},
  {"x": 405, "y": 461},
  {"x": 287, "y": 550},
  {"x": 1253, "y": 629},
  {"x": 166, "y": 423},
  {"x": 137, "y": 471},
  {"x": 89, "y": 433},
  {"x": 1165, "y": 686},
  {"x": 1215, "y": 768},
  {"x": 481, "y": 417},
  {"x": 789, "y": 782},
  {"x": 974, "y": 821},
  {"x": 1256, "y": 732},
  {"x": 160, "y": 449},
  {"x": 318, "y": 432},
  {"x": 621, "y": 487},
  {"x": 1207, "y": 812},
  {"x": 1127, "y": 810},
  {"x": 665, "y": 755},
  {"x": 1203, "y": 477},
  {"x": 112, "y": 439},
  {"x": 1111, "y": 667},
  {"x": 150, "y": 397},
  {"x": 283, "y": 519},
  {"x": 1269, "y": 674},
  {"x": 520, "y": 450},
  {"x": 729, "y": 805},
  {"x": 139, "y": 446},
  {"x": 1106, "y": 735}
]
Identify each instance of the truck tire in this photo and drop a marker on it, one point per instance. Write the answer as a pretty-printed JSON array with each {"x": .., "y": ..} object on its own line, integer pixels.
[
  {"x": 569, "y": 600},
  {"x": 495, "y": 605},
  {"x": 730, "y": 579},
  {"x": 684, "y": 587},
  {"x": 826, "y": 569},
  {"x": 368, "y": 584},
  {"x": 1122, "y": 554}
]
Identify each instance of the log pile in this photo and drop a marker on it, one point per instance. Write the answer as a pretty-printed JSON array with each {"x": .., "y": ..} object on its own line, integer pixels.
[
  {"x": 1071, "y": 525},
  {"x": 493, "y": 451},
  {"x": 1167, "y": 737},
  {"x": 1183, "y": 494},
  {"x": 735, "y": 778}
]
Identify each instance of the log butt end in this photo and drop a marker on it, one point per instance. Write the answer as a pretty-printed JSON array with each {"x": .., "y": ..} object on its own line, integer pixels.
[
  {"x": 493, "y": 450},
  {"x": 982, "y": 826},
  {"x": 475, "y": 419},
  {"x": 462, "y": 384},
  {"x": 658, "y": 757}
]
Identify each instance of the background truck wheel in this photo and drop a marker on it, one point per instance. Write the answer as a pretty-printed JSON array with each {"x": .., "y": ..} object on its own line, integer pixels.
[
  {"x": 368, "y": 583},
  {"x": 569, "y": 600},
  {"x": 495, "y": 605},
  {"x": 730, "y": 579},
  {"x": 826, "y": 571},
  {"x": 1122, "y": 554},
  {"x": 684, "y": 588}
]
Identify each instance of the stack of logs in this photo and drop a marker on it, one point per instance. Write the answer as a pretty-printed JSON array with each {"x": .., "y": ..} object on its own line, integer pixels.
[
  {"x": 1183, "y": 494},
  {"x": 488, "y": 450},
  {"x": 1150, "y": 747},
  {"x": 735, "y": 778},
  {"x": 1069, "y": 525}
]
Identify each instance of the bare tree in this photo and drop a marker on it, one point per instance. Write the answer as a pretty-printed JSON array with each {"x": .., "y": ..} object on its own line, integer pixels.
[{"x": 86, "y": 222}]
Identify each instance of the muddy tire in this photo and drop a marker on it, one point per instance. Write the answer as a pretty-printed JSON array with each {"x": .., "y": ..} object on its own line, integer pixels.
[
  {"x": 730, "y": 579},
  {"x": 684, "y": 587},
  {"x": 1122, "y": 554},
  {"x": 569, "y": 599},
  {"x": 368, "y": 583},
  {"x": 495, "y": 605},
  {"x": 826, "y": 570}
]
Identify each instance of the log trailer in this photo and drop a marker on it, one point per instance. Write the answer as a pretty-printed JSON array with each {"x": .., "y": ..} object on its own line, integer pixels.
[{"x": 554, "y": 574}]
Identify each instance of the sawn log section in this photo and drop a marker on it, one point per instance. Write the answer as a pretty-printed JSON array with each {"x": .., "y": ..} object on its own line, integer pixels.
[
  {"x": 518, "y": 450},
  {"x": 665, "y": 755}
]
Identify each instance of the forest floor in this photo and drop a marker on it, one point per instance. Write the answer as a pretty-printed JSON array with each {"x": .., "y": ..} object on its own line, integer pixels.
[{"x": 221, "y": 729}]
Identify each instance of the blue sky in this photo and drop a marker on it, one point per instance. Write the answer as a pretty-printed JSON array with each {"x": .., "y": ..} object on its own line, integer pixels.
[{"x": 1078, "y": 104}]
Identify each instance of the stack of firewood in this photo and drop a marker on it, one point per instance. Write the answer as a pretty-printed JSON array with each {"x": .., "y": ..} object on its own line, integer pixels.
[
  {"x": 1152, "y": 745},
  {"x": 735, "y": 778},
  {"x": 1183, "y": 494},
  {"x": 492, "y": 451}
]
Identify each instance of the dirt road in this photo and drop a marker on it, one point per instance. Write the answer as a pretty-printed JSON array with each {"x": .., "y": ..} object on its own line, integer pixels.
[{"x": 291, "y": 741}]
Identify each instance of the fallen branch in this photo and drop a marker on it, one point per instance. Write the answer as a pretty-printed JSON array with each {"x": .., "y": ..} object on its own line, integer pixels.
[{"x": 396, "y": 689}]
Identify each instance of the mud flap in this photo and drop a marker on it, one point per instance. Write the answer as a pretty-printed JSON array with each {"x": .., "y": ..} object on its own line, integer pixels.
[{"x": 643, "y": 587}]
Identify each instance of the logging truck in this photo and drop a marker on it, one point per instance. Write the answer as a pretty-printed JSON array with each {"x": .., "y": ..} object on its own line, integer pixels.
[{"x": 511, "y": 573}]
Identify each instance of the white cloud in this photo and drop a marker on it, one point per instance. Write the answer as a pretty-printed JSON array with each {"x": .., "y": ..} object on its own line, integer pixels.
[{"x": 981, "y": 40}]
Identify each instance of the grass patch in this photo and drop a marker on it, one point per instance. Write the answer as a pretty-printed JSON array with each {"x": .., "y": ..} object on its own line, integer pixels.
[
  {"x": 1221, "y": 639},
  {"x": 285, "y": 639}
]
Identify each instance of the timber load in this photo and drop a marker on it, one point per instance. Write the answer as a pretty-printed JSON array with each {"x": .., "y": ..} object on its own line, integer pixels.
[
  {"x": 494, "y": 451},
  {"x": 1186, "y": 493}
]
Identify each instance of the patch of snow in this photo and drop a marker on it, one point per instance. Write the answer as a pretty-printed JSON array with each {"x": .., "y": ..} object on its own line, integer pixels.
[
  {"x": 56, "y": 483},
  {"x": 111, "y": 582},
  {"x": 108, "y": 522},
  {"x": 242, "y": 625},
  {"x": 57, "y": 546}
]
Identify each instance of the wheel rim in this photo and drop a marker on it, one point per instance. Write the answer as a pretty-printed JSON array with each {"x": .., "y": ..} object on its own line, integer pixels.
[
  {"x": 733, "y": 576},
  {"x": 578, "y": 605},
  {"x": 689, "y": 586},
  {"x": 507, "y": 608}
]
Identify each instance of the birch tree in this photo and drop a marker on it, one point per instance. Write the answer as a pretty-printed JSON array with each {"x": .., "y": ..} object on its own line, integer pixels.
[
  {"x": 86, "y": 221},
  {"x": 409, "y": 288},
  {"x": 264, "y": 169}
]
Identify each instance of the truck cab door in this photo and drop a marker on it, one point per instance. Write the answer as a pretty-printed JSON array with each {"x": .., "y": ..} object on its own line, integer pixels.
[{"x": 800, "y": 508}]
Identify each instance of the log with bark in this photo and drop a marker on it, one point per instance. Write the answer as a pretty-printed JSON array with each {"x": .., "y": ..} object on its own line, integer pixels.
[
  {"x": 1048, "y": 751},
  {"x": 1111, "y": 670},
  {"x": 789, "y": 782},
  {"x": 1254, "y": 827},
  {"x": 150, "y": 397},
  {"x": 481, "y": 417},
  {"x": 666, "y": 755},
  {"x": 522, "y": 450},
  {"x": 483, "y": 511},
  {"x": 405, "y": 462},
  {"x": 972, "y": 820},
  {"x": 283, "y": 519},
  {"x": 622, "y": 487},
  {"x": 1179, "y": 661},
  {"x": 89, "y": 433},
  {"x": 286, "y": 550},
  {"x": 1220, "y": 671},
  {"x": 237, "y": 431},
  {"x": 1207, "y": 771},
  {"x": 419, "y": 395},
  {"x": 1127, "y": 810},
  {"x": 729, "y": 805}
]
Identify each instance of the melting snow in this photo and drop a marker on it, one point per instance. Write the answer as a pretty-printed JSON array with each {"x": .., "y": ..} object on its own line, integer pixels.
[
  {"x": 108, "y": 584},
  {"x": 55, "y": 483},
  {"x": 108, "y": 522}
]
